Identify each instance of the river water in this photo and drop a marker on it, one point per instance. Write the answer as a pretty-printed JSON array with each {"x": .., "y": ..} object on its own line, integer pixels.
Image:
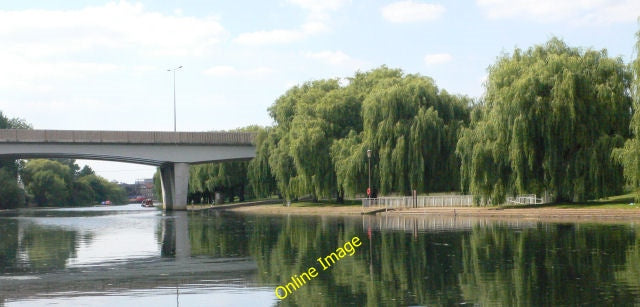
[{"x": 133, "y": 256}]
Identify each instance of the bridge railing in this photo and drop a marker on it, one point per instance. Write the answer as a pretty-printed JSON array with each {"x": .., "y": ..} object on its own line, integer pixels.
[{"x": 126, "y": 137}]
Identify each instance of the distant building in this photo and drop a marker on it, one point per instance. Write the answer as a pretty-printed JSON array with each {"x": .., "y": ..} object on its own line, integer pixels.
[
  {"x": 144, "y": 187},
  {"x": 139, "y": 191}
]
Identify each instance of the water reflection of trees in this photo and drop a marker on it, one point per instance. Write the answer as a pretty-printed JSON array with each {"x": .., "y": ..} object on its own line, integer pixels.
[
  {"x": 549, "y": 265},
  {"x": 48, "y": 248},
  {"x": 217, "y": 236},
  {"x": 8, "y": 245},
  {"x": 491, "y": 265},
  {"x": 33, "y": 248}
]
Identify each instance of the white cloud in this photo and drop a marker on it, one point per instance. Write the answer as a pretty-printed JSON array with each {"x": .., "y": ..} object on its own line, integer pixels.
[
  {"x": 231, "y": 71},
  {"x": 437, "y": 58},
  {"x": 27, "y": 74},
  {"x": 317, "y": 21},
  {"x": 46, "y": 45},
  {"x": 269, "y": 37},
  {"x": 337, "y": 59},
  {"x": 411, "y": 11},
  {"x": 330, "y": 57},
  {"x": 578, "y": 12},
  {"x": 320, "y": 5},
  {"x": 319, "y": 9},
  {"x": 280, "y": 36},
  {"x": 119, "y": 25}
]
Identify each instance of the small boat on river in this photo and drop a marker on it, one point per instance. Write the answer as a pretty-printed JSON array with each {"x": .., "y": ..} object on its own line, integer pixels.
[{"x": 147, "y": 203}]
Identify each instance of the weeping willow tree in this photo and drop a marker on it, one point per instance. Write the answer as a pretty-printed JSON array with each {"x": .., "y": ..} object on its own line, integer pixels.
[
  {"x": 549, "y": 120},
  {"x": 262, "y": 182},
  {"x": 411, "y": 128},
  {"x": 229, "y": 179},
  {"x": 629, "y": 156},
  {"x": 309, "y": 118},
  {"x": 323, "y": 131}
]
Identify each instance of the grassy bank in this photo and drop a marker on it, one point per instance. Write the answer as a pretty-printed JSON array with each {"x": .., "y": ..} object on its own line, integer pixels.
[
  {"x": 625, "y": 201},
  {"x": 611, "y": 207}
]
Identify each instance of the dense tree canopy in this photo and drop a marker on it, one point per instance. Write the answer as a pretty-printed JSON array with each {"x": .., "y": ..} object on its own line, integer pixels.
[
  {"x": 629, "y": 156},
  {"x": 553, "y": 119},
  {"x": 228, "y": 179},
  {"x": 11, "y": 195},
  {"x": 550, "y": 118},
  {"x": 324, "y": 129},
  {"x": 62, "y": 183}
]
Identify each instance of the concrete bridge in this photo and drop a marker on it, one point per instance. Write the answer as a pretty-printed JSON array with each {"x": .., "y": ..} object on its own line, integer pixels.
[{"x": 173, "y": 152}]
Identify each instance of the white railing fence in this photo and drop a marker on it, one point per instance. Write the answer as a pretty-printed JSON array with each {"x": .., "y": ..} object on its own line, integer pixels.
[
  {"x": 530, "y": 199},
  {"x": 419, "y": 201}
]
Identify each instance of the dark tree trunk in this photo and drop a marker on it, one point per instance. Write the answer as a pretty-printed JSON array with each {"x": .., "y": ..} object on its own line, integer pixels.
[{"x": 340, "y": 196}]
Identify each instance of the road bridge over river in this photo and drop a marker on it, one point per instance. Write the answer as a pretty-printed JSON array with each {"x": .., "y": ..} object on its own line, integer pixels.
[{"x": 173, "y": 152}]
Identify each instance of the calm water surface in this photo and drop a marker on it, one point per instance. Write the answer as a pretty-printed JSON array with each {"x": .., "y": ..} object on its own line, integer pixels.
[{"x": 132, "y": 256}]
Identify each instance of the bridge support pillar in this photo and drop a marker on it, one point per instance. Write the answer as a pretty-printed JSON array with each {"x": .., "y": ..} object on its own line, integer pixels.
[{"x": 175, "y": 182}]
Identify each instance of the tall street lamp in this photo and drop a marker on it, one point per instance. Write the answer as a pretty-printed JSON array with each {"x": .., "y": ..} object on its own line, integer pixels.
[
  {"x": 174, "y": 95},
  {"x": 369, "y": 188}
]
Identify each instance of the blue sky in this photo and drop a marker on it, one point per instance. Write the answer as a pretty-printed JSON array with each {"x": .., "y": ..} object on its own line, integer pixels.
[{"x": 102, "y": 64}]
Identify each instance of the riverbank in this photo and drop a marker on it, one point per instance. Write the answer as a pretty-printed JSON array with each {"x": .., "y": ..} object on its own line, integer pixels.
[
  {"x": 199, "y": 207},
  {"x": 536, "y": 213},
  {"x": 304, "y": 209},
  {"x": 544, "y": 213}
]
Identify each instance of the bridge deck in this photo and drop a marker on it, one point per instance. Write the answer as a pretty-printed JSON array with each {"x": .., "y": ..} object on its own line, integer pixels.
[{"x": 125, "y": 137}]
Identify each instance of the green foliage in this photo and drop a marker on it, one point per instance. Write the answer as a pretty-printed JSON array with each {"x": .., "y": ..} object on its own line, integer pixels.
[
  {"x": 48, "y": 181},
  {"x": 53, "y": 183},
  {"x": 261, "y": 181},
  {"x": 412, "y": 129},
  {"x": 228, "y": 178},
  {"x": 323, "y": 131},
  {"x": 157, "y": 185},
  {"x": 629, "y": 155},
  {"x": 100, "y": 189},
  {"x": 549, "y": 121},
  {"x": 11, "y": 196},
  {"x": 13, "y": 123}
]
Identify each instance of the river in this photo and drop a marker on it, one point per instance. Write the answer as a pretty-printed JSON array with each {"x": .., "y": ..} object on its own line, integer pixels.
[{"x": 133, "y": 256}]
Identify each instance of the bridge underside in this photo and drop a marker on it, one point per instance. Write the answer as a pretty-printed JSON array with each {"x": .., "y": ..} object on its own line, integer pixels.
[
  {"x": 150, "y": 154},
  {"x": 173, "y": 159}
]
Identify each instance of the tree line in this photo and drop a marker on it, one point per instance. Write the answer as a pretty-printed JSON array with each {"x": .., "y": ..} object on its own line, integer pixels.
[
  {"x": 61, "y": 182},
  {"x": 554, "y": 119}
]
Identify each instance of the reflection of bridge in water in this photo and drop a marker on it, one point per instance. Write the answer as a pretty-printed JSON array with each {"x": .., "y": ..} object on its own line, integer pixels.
[
  {"x": 168, "y": 270},
  {"x": 438, "y": 223},
  {"x": 144, "y": 275}
]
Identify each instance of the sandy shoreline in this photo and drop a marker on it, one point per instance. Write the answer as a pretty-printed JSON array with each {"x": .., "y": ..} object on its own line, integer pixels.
[
  {"x": 307, "y": 210},
  {"x": 511, "y": 213}
]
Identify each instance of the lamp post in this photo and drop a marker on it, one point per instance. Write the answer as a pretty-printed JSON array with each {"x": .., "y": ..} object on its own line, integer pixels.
[
  {"x": 174, "y": 95},
  {"x": 369, "y": 158}
]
